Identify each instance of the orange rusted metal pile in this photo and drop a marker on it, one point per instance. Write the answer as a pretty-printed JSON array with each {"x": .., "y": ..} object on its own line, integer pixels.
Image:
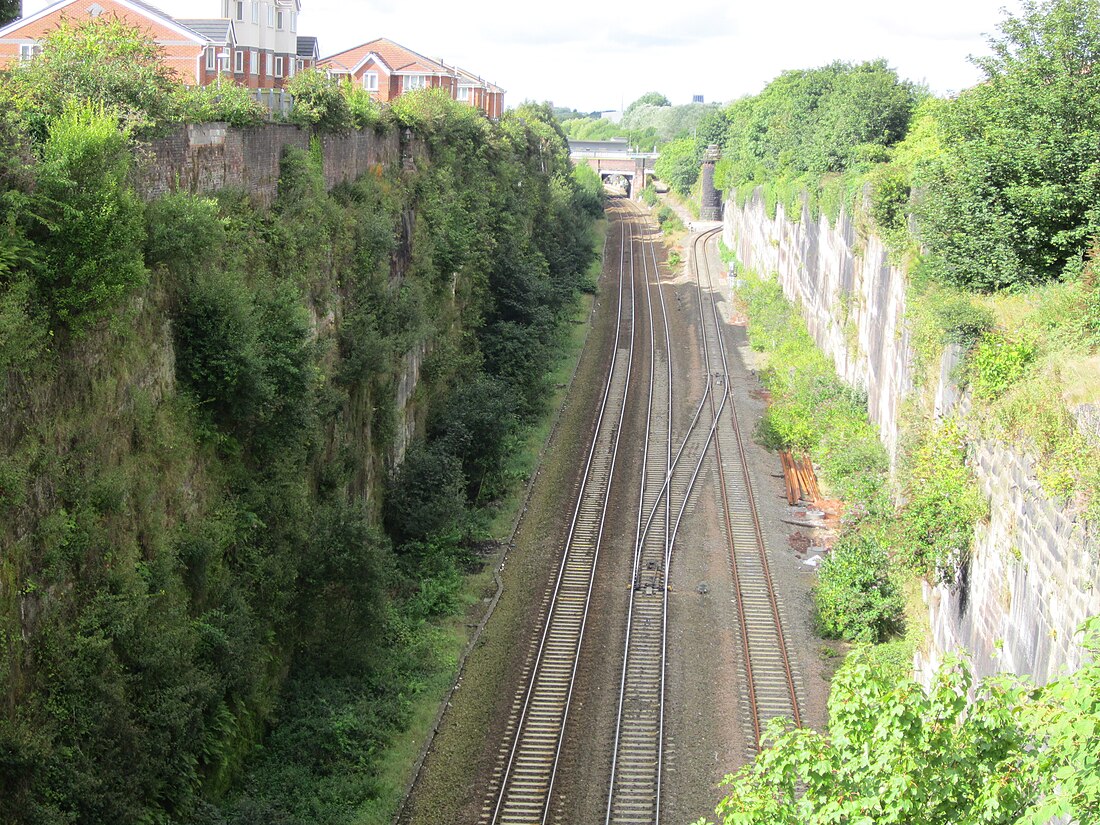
[{"x": 798, "y": 474}]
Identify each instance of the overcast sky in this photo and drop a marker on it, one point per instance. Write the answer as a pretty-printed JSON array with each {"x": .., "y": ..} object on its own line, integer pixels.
[{"x": 589, "y": 55}]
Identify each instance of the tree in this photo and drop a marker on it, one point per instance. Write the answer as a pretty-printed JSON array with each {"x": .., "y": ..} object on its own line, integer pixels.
[
  {"x": 1011, "y": 197},
  {"x": 895, "y": 753},
  {"x": 103, "y": 60},
  {"x": 648, "y": 99},
  {"x": 91, "y": 230},
  {"x": 10, "y": 10},
  {"x": 678, "y": 165}
]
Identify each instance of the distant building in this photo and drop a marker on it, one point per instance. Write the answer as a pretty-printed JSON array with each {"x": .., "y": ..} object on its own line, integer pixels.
[
  {"x": 184, "y": 48},
  {"x": 387, "y": 70},
  {"x": 254, "y": 43},
  {"x": 309, "y": 53}
]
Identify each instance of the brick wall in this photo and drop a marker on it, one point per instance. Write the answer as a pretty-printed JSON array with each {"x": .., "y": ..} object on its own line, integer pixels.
[{"x": 208, "y": 157}]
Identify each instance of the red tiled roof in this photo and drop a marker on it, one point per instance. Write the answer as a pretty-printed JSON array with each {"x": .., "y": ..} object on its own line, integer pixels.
[{"x": 397, "y": 57}]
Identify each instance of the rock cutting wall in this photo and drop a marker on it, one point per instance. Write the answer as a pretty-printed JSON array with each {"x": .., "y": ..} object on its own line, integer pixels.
[{"x": 1034, "y": 575}]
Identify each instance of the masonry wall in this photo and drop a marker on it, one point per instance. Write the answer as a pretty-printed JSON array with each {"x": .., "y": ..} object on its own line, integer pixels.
[
  {"x": 1034, "y": 575},
  {"x": 853, "y": 300},
  {"x": 212, "y": 156}
]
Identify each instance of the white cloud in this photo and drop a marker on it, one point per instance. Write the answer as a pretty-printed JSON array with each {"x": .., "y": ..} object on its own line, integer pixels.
[{"x": 596, "y": 55}]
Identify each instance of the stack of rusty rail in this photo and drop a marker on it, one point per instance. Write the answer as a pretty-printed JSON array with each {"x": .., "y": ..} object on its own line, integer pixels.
[{"x": 798, "y": 474}]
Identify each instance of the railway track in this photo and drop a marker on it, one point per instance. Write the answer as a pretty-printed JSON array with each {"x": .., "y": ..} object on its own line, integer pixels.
[
  {"x": 770, "y": 683},
  {"x": 524, "y": 782},
  {"x": 710, "y": 447},
  {"x": 634, "y": 793}
]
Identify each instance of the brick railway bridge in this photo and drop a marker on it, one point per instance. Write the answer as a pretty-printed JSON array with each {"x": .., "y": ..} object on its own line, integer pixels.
[{"x": 616, "y": 162}]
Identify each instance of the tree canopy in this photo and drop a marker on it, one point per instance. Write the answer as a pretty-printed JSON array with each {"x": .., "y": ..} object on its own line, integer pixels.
[
  {"x": 1012, "y": 192},
  {"x": 648, "y": 99},
  {"x": 896, "y": 753}
]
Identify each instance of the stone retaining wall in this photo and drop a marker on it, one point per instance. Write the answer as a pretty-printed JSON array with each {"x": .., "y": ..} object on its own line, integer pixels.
[
  {"x": 207, "y": 157},
  {"x": 1034, "y": 575},
  {"x": 853, "y": 300}
]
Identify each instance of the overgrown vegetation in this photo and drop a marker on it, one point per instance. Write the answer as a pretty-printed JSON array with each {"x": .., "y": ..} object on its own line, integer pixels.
[
  {"x": 1006, "y": 755},
  {"x": 987, "y": 198},
  {"x": 220, "y": 590}
]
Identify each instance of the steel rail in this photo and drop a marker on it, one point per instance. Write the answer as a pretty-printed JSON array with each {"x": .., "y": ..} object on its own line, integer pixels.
[
  {"x": 749, "y": 506},
  {"x": 634, "y": 791},
  {"x": 519, "y": 808}
]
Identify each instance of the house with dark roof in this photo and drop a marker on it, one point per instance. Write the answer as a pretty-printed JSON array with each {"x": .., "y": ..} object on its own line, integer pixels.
[
  {"x": 218, "y": 55},
  {"x": 309, "y": 53},
  {"x": 387, "y": 70}
]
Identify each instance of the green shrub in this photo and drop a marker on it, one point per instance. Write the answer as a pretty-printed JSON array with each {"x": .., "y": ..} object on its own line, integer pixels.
[
  {"x": 669, "y": 221},
  {"x": 935, "y": 526},
  {"x": 995, "y": 363},
  {"x": 649, "y": 196},
  {"x": 961, "y": 321},
  {"x": 102, "y": 61},
  {"x": 320, "y": 101},
  {"x": 856, "y": 597},
  {"x": 427, "y": 494},
  {"x": 365, "y": 112},
  {"x": 93, "y": 230},
  {"x": 226, "y": 102},
  {"x": 183, "y": 232}
]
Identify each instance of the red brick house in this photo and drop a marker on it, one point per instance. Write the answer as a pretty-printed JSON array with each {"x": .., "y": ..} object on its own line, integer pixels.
[
  {"x": 477, "y": 92},
  {"x": 184, "y": 49},
  {"x": 387, "y": 70},
  {"x": 254, "y": 44}
]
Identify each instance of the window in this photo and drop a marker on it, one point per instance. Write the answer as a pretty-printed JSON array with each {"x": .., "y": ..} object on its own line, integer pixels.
[
  {"x": 267, "y": 64},
  {"x": 211, "y": 58},
  {"x": 413, "y": 81},
  {"x": 294, "y": 21},
  {"x": 271, "y": 15},
  {"x": 370, "y": 81},
  {"x": 29, "y": 50},
  {"x": 256, "y": 13},
  {"x": 279, "y": 66},
  {"x": 238, "y": 61},
  {"x": 464, "y": 93},
  {"x": 279, "y": 21},
  {"x": 295, "y": 66},
  {"x": 240, "y": 10},
  {"x": 254, "y": 61}
]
